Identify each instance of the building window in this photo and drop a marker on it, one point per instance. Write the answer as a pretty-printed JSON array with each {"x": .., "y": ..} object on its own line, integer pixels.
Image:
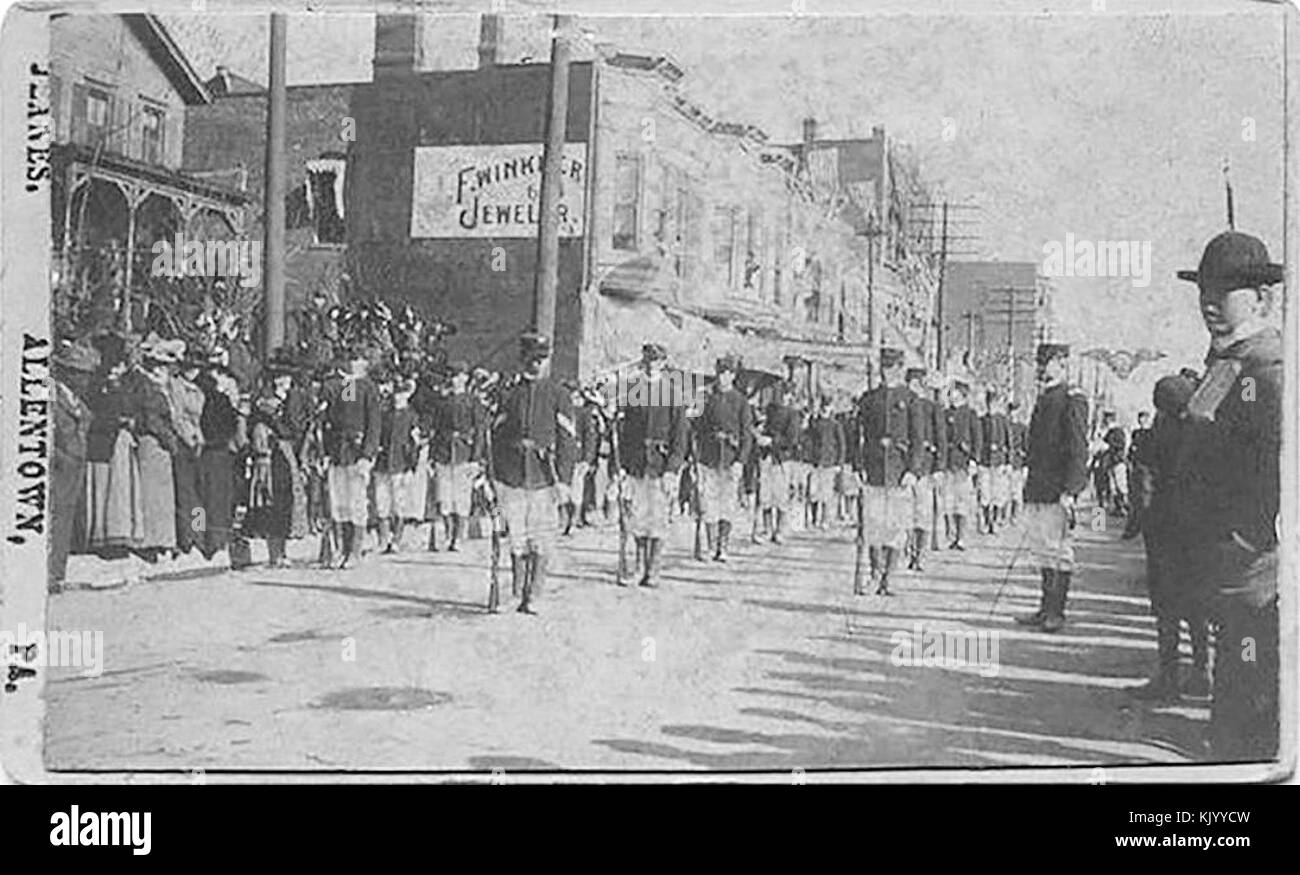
[
  {"x": 92, "y": 115},
  {"x": 627, "y": 196},
  {"x": 754, "y": 252},
  {"x": 152, "y": 134},
  {"x": 324, "y": 189},
  {"x": 723, "y": 234}
]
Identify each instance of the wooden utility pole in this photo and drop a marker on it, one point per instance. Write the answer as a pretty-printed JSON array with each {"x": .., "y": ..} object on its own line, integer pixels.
[
  {"x": 548, "y": 226},
  {"x": 273, "y": 193}
]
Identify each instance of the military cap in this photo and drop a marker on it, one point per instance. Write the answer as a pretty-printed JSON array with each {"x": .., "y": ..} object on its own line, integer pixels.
[
  {"x": 890, "y": 356},
  {"x": 1051, "y": 351},
  {"x": 1234, "y": 260},
  {"x": 915, "y": 374},
  {"x": 534, "y": 345},
  {"x": 727, "y": 363},
  {"x": 653, "y": 352}
]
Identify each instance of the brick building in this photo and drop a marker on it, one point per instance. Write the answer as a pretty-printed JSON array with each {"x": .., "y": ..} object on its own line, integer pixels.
[{"x": 421, "y": 186}]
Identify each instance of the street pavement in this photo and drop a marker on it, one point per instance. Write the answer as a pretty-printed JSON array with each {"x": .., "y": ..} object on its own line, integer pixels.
[{"x": 766, "y": 663}]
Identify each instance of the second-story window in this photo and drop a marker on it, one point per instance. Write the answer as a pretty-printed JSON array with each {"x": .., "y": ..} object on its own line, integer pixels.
[
  {"x": 152, "y": 134},
  {"x": 92, "y": 115},
  {"x": 627, "y": 197},
  {"x": 324, "y": 189},
  {"x": 724, "y": 242}
]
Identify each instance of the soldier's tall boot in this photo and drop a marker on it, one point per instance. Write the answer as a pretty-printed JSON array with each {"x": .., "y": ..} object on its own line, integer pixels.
[
  {"x": 494, "y": 594},
  {"x": 568, "y": 519},
  {"x": 275, "y": 553},
  {"x": 886, "y": 566},
  {"x": 724, "y": 539},
  {"x": 1045, "y": 600},
  {"x": 711, "y": 541},
  {"x": 349, "y": 546},
  {"x": 1163, "y": 684},
  {"x": 918, "y": 563},
  {"x": 453, "y": 532},
  {"x": 433, "y": 535},
  {"x": 328, "y": 538},
  {"x": 1056, "y": 607},
  {"x": 385, "y": 536},
  {"x": 535, "y": 576},
  {"x": 873, "y": 559},
  {"x": 779, "y": 524},
  {"x": 654, "y": 547},
  {"x": 958, "y": 523},
  {"x": 518, "y": 573}
]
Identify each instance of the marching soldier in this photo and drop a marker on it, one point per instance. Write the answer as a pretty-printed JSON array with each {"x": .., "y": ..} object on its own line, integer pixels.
[
  {"x": 457, "y": 446},
  {"x": 887, "y": 492},
  {"x": 926, "y": 440},
  {"x": 652, "y": 449},
  {"x": 1237, "y": 410},
  {"x": 780, "y": 447},
  {"x": 995, "y": 461},
  {"x": 963, "y": 441},
  {"x": 826, "y": 442},
  {"x": 1019, "y": 434},
  {"x": 533, "y": 451},
  {"x": 1058, "y": 471},
  {"x": 724, "y": 430},
  {"x": 351, "y": 434}
]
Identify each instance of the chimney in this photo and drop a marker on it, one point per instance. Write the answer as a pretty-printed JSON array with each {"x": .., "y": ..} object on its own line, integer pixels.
[
  {"x": 489, "y": 41},
  {"x": 397, "y": 45},
  {"x": 810, "y": 130}
]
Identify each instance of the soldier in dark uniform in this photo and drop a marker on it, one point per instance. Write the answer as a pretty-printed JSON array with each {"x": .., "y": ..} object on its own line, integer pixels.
[
  {"x": 1019, "y": 434},
  {"x": 779, "y": 445},
  {"x": 277, "y": 508},
  {"x": 886, "y": 452},
  {"x": 1237, "y": 411},
  {"x": 533, "y": 441},
  {"x": 1137, "y": 476},
  {"x": 724, "y": 430},
  {"x": 652, "y": 448},
  {"x": 827, "y": 452},
  {"x": 961, "y": 426},
  {"x": 351, "y": 426},
  {"x": 926, "y": 440},
  {"x": 995, "y": 467},
  {"x": 1058, "y": 472},
  {"x": 456, "y": 447},
  {"x": 1174, "y": 544}
]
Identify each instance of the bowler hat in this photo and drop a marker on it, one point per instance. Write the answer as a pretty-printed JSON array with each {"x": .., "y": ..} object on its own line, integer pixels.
[
  {"x": 1172, "y": 393},
  {"x": 889, "y": 356},
  {"x": 1231, "y": 261},
  {"x": 727, "y": 363}
]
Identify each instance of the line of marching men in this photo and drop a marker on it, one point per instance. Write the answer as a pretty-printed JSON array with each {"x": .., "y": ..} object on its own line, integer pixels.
[{"x": 912, "y": 459}]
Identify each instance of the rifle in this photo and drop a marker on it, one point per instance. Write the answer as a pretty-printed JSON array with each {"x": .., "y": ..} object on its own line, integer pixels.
[
  {"x": 493, "y": 507},
  {"x": 698, "y": 496},
  {"x": 860, "y": 541},
  {"x": 622, "y": 578}
]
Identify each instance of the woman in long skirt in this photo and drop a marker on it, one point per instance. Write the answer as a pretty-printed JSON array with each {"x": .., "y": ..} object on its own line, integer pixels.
[
  {"x": 156, "y": 441},
  {"x": 220, "y": 425},
  {"x": 113, "y": 508}
]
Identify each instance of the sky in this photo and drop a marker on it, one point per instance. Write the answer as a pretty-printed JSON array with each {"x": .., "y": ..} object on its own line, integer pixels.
[{"x": 1108, "y": 125}]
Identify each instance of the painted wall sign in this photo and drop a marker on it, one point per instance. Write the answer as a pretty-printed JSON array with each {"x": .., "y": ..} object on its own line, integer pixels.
[{"x": 492, "y": 190}]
